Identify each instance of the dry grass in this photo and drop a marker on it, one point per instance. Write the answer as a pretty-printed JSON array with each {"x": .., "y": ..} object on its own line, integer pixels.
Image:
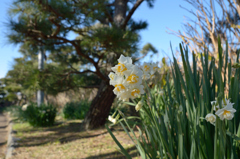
[{"x": 66, "y": 141}]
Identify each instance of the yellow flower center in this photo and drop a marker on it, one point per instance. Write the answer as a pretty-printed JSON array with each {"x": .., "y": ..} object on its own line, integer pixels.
[
  {"x": 111, "y": 76},
  {"x": 146, "y": 68},
  {"x": 144, "y": 76},
  {"x": 155, "y": 68},
  {"x": 119, "y": 87},
  {"x": 226, "y": 112},
  {"x": 132, "y": 79},
  {"x": 135, "y": 92},
  {"x": 121, "y": 67},
  {"x": 152, "y": 76}
]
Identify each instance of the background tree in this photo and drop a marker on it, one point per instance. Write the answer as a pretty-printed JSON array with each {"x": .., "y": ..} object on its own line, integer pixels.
[
  {"x": 104, "y": 30},
  {"x": 25, "y": 79},
  {"x": 2, "y": 92},
  {"x": 214, "y": 18}
]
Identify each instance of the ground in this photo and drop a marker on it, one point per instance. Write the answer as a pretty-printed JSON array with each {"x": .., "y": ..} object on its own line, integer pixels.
[
  {"x": 66, "y": 140},
  {"x": 3, "y": 134}
]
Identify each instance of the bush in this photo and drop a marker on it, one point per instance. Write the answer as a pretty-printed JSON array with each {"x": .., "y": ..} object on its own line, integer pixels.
[
  {"x": 13, "y": 110},
  {"x": 76, "y": 110},
  {"x": 41, "y": 116}
]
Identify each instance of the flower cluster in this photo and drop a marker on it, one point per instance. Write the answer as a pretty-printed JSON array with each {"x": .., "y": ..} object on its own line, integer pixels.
[
  {"x": 227, "y": 112},
  {"x": 149, "y": 69},
  {"x": 127, "y": 79}
]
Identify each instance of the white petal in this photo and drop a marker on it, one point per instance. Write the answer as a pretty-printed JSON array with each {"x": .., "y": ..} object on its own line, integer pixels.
[{"x": 124, "y": 59}]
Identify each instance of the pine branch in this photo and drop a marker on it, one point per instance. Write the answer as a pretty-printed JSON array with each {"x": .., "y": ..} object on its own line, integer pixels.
[
  {"x": 57, "y": 25},
  {"x": 78, "y": 50},
  {"x": 136, "y": 5},
  {"x": 110, "y": 18}
]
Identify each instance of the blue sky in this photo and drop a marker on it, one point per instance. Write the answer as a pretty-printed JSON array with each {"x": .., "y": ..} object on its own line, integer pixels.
[{"x": 165, "y": 14}]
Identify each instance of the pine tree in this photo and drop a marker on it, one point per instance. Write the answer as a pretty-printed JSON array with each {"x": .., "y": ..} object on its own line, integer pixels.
[
  {"x": 105, "y": 31},
  {"x": 25, "y": 79}
]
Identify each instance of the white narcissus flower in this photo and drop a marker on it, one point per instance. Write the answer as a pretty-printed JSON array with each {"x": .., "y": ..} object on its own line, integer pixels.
[
  {"x": 117, "y": 82},
  {"x": 124, "y": 59},
  {"x": 24, "y": 107},
  {"x": 210, "y": 118},
  {"x": 146, "y": 76},
  {"x": 124, "y": 64},
  {"x": 110, "y": 118},
  {"x": 148, "y": 70},
  {"x": 136, "y": 91},
  {"x": 146, "y": 67},
  {"x": 119, "y": 68},
  {"x": 152, "y": 76},
  {"x": 124, "y": 96},
  {"x": 134, "y": 76},
  {"x": 227, "y": 112},
  {"x": 213, "y": 103},
  {"x": 114, "y": 121},
  {"x": 139, "y": 106},
  {"x": 225, "y": 102},
  {"x": 115, "y": 79},
  {"x": 111, "y": 75},
  {"x": 119, "y": 88},
  {"x": 155, "y": 67}
]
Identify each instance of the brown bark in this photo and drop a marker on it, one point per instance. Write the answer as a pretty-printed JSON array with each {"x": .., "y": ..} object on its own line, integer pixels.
[
  {"x": 100, "y": 107},
  {"x": 101, "y": 104},
  {"x": 120, "y": 12}
]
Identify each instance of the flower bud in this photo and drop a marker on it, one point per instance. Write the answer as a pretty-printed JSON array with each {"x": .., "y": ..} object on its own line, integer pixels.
[
  {"x": 139, "y": 105},
  {"x": 210, "y": 118}
]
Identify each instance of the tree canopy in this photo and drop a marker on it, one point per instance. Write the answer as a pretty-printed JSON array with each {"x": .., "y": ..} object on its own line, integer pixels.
[{"x": 86, "y": 36}]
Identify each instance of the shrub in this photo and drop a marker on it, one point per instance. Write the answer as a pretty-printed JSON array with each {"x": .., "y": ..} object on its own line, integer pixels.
[
  {"x": 41, "y": 116},
  {"x": 76, "y": 110},
  {"x": 13, "y": 110}
]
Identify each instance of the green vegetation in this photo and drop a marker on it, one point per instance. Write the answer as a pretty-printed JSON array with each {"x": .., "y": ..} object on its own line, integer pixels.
[
  {"x": 76, "y": 110},
  {"x": 39, "y": 116},
  {"x": 182, "y": 130}
]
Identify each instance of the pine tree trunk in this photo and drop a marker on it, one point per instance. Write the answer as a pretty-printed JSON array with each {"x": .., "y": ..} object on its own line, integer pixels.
[
  {"x": 100, "y": 107},
  {"x": 120, "y": 11},
  {"x": 101, "y": 104}
]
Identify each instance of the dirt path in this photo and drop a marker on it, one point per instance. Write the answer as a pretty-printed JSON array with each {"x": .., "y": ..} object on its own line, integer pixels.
[{"x": 3, "y": 134}]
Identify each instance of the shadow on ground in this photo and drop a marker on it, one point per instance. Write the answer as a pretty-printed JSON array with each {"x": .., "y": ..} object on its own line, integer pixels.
[
  {"x": 115, "y": 154},
  {"x": 63, "y": 133},
  {"x": 96, "y": 144}
]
